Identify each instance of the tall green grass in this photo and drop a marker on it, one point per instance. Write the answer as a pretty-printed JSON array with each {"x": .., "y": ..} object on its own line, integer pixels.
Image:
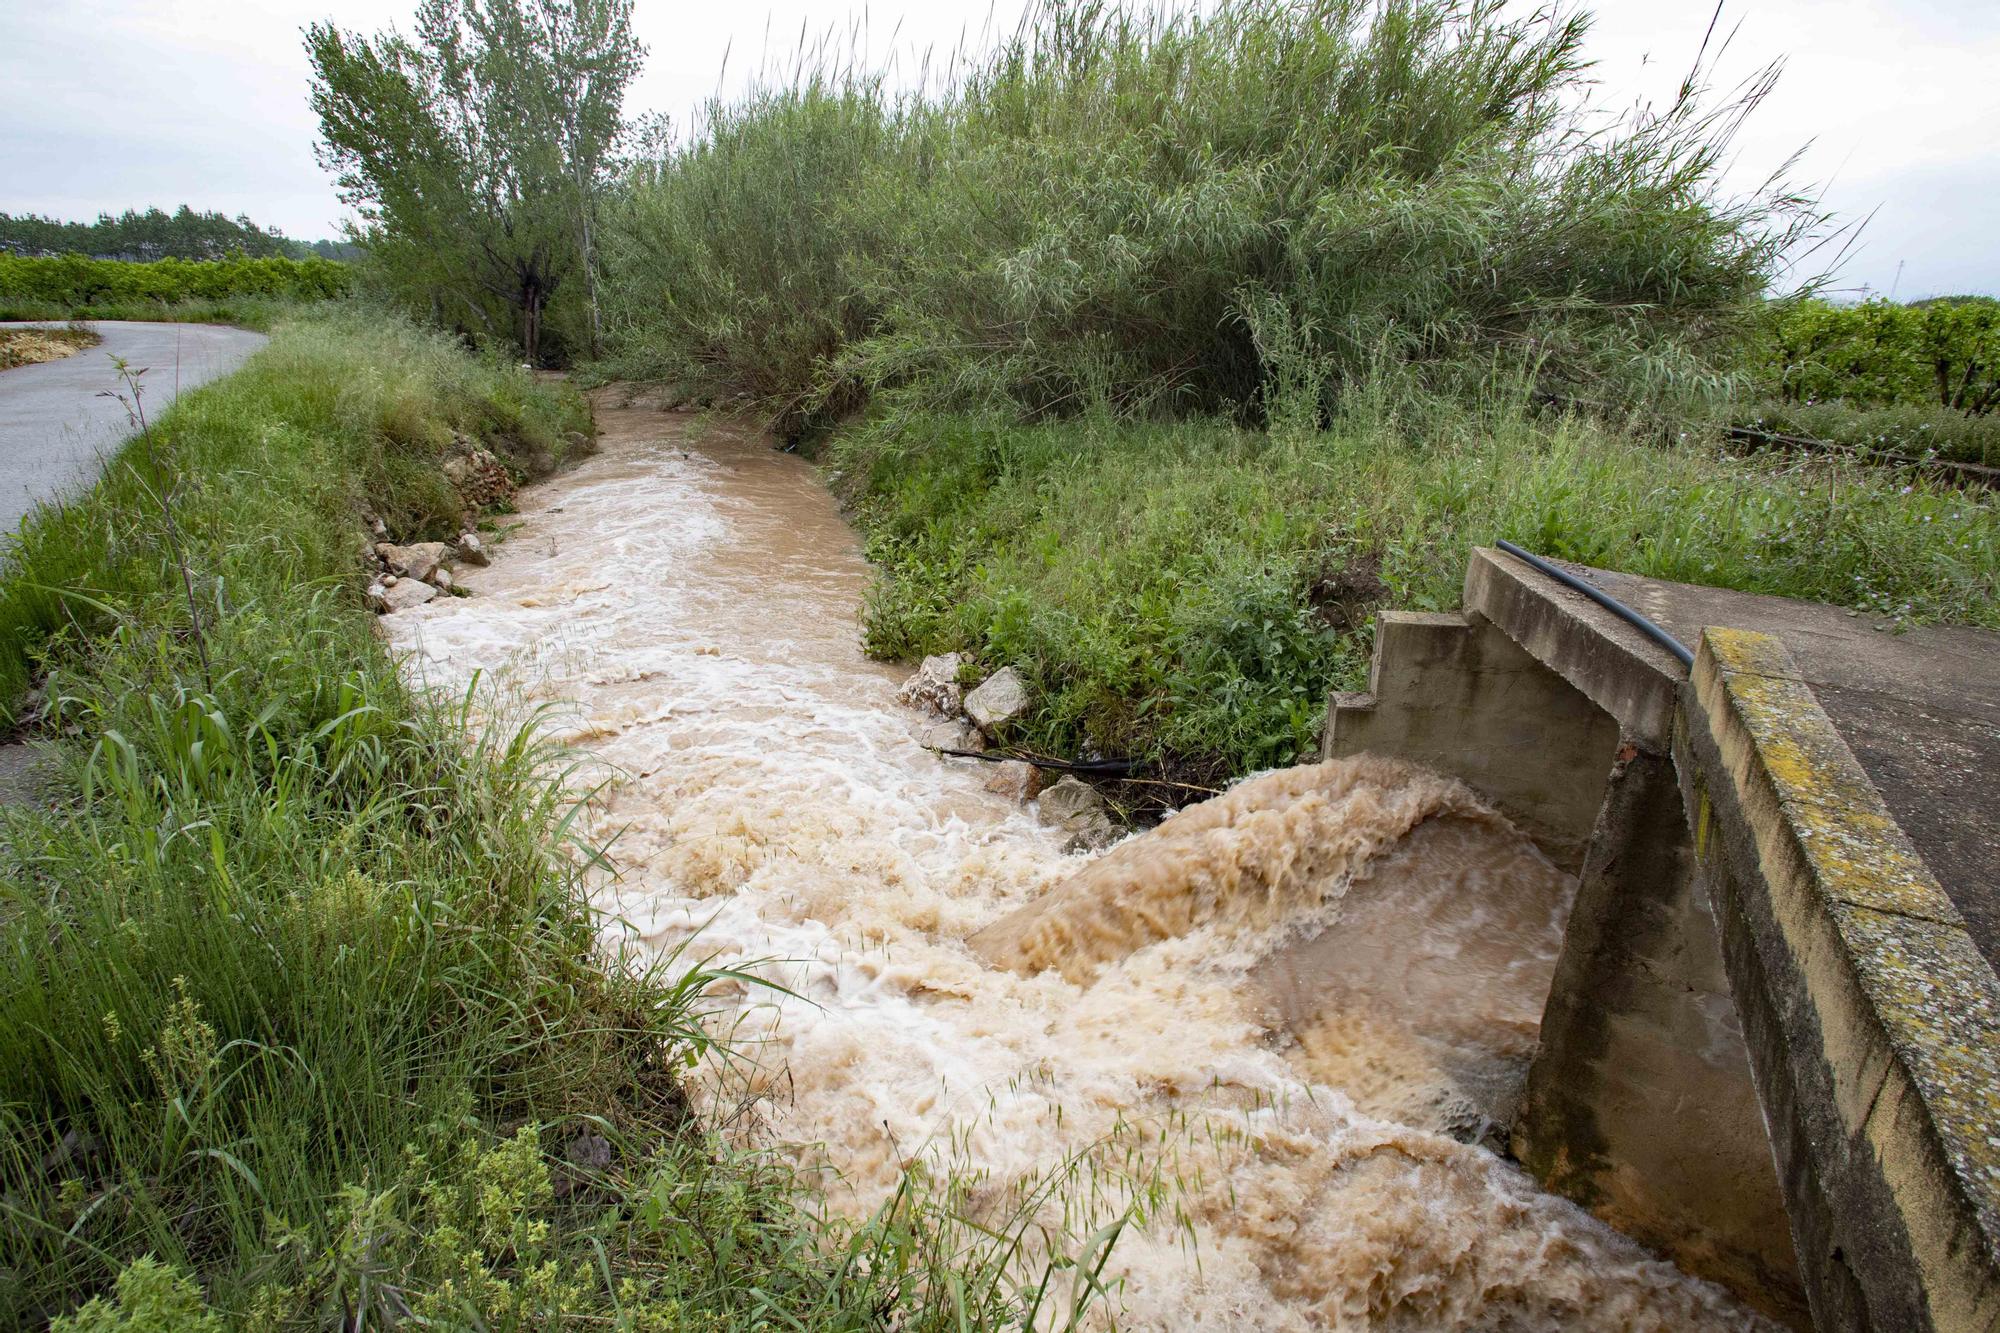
[
  {"x": 304, "y": 1020},
  {"x": 1193, "y": 210},
  {"x": 1189, "y": 593}
]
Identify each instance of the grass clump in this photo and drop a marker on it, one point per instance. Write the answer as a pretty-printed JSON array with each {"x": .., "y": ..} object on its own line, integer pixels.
[
  {"x": 1189, "y": 592},
  {"x": 304, "y": 1021}
]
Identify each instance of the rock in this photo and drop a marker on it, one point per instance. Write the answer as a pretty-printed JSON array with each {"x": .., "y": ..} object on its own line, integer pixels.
[
  {"x": 378, "y": 527},
  {"x": 935, "y": 686},
  {"x": 1016, "y": 779},
  {"x": 591, "y": 1151},
  {"x": 952, "y": 734},
  {"x": 406, "y": 593},
  {"x": 480, "y": 478},
  {"x": 441, "y": 579},
  {"x": 1074, "y": 806},
  {"x": 471, "y": 550},
  {"x": 1070, "y": 798},
  {"x": 417, "y": 561},
  {"x": 389, "y": 580},
  {"x": 997, "y": 702}
]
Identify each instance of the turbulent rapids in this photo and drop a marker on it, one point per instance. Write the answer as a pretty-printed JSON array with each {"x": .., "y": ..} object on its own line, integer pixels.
[{"x": 1285, "y": 1018}]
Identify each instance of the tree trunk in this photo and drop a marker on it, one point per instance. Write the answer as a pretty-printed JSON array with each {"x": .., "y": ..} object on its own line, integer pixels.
[
  {"x": 590, "y": 284},
  {"x": 531, "y": 322}
]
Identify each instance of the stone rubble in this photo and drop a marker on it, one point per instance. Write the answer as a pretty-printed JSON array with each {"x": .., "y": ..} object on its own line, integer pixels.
[
  {"x": 1001, "y": 699},
  {"x": 951, "y": 734},
  {"x": 481, "y": 479},
  {"x": 387, "y": 599},
  {"x": 935, "y": 686},
  {"x": 1016, "y": 779},
  {"x": 419, "y": 560}
]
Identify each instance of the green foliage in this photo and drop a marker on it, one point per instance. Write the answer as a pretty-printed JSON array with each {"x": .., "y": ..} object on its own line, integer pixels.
[
  {"x": 71, "y": 282},
  {"x": 1939, "y": 354},
  {"x": 156, "y": 234},
  {"x": 1190, "y": 592},
  {"x": 151, "y": 1298},
  {"x": 725, "y": 266},
  {"x": 266, "y": 925},
  {"x": 475, "y": 150},
  {"x": 1199, "y": 210},
  {"x": 1904, "y": 430}
]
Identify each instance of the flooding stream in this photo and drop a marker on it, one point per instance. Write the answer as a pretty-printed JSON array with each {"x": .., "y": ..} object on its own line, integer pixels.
[{"x": 1282, "y": 1019}]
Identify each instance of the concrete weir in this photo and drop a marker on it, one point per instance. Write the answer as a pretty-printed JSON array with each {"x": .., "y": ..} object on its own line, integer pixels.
[{"x": 1771, "y": 1048}]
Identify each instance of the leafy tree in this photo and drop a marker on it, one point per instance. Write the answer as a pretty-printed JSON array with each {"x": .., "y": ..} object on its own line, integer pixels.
[
  {"x": 1942, "y": 353},
  {"x": 476, "y": 151}
]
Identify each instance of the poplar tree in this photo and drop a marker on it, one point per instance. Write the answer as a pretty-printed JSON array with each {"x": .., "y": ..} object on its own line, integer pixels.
[{"x": 476, "y": 150}]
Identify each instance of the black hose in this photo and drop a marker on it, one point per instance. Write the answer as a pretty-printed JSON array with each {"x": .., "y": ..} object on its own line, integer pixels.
[
  {"x": 1605, "y": 600},
  {"x": 1104, "y": 768}
]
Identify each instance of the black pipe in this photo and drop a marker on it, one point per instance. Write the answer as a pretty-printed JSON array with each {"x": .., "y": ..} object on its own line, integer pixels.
[
  {"x": 1605, "y": 600},
  {"x": 1103, "y": 768}
]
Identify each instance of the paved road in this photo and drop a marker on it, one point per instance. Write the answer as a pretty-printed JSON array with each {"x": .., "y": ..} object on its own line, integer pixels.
[{"x": 55, "y": 432}]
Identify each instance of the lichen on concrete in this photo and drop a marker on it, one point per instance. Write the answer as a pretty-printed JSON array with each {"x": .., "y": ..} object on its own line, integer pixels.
[{"x": 1924, "y": 982}]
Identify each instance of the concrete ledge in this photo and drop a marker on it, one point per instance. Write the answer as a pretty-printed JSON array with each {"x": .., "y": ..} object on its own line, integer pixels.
[
  {"x": 1615, "y": 666},
  {"x": 1873, "y": 1020}
]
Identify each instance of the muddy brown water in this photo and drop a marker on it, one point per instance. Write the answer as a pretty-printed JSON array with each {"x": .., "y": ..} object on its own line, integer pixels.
[{"x": 1275, "y": 1019}]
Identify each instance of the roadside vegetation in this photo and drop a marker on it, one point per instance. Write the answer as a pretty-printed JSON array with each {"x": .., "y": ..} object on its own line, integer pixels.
[
  {"x": 304, "y": 1021},
  {"x": 239, "y": 290},
  {"x": 30, "y": 347},
  {"x": 1154, "y": 354}
]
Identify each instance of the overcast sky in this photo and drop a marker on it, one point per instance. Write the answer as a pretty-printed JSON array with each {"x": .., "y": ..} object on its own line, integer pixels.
[{"x": 109, "y": 104}]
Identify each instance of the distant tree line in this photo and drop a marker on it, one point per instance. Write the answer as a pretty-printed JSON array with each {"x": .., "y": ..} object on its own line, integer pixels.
[{"x": 158, "y": 234}]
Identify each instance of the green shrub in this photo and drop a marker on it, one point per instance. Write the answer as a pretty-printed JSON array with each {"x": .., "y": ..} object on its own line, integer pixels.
[
  {"x": 151, "y": 1298},
  {"x": 1192, "y": 212},
  {"x": 1943, "y": 354}
]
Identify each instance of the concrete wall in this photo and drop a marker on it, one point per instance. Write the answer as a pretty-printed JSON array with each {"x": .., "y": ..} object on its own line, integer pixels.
[
  {"x": 1772, "y": 1044},
  {"x": 1639, "y": 1103},
  {"x": 1873, "y": 1020},
  {"x": 1456, "y": 695}
]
